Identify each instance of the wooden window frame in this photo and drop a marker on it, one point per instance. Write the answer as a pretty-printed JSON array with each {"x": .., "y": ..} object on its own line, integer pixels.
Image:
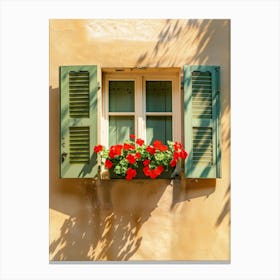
[{"x": 140, "y": 113}]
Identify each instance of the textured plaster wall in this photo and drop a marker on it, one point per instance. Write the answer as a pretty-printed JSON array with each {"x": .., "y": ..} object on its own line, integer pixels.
[{"x": 144, "y": 219}]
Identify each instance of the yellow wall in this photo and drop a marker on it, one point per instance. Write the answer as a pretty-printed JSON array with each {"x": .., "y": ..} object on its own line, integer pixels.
[{"x": 143, "y": 219}]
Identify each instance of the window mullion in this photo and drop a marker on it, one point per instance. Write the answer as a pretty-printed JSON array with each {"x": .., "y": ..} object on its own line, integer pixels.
[{"x": 140, "y": 110}]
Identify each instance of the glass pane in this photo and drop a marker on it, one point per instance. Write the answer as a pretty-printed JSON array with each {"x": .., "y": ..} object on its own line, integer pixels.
[
  {"x": 158, "y": 96},
  {"x": 121, "y": 96},
  {"x": 159, "y": 128},
  {"x": 120, "y": 128}
]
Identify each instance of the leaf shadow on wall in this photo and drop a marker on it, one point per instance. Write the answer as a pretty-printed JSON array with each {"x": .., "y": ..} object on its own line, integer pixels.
[
  {"x": 99, "y": 222},
  {"x": 108, "y": 228},
  {"x": 226, "y": 208},
  {"x": 194, "y": 42},
  {"x": 191, "y": 189}
]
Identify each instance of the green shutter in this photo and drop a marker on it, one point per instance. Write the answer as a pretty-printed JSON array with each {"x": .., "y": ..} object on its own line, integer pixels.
[
  {"x": 78, "y": 121},
  {"x": 202, "y": 121}
]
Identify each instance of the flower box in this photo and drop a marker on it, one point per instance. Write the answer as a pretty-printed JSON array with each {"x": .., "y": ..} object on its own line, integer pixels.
[
  {"x": 166, "y": 174},
  {"x": 135, "y": 160}
]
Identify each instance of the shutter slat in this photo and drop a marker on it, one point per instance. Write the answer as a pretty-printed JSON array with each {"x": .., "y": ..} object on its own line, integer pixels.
[
  {"x": 202, "y": 95},
  {"x": 79, "y": 91},
  {"x": 200, "y": 108},
  {"x": 203, "y": 136},
  {"x": 79, "y": 153}
]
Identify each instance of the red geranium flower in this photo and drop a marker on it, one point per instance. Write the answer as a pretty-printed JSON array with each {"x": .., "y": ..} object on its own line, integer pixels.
[
  {"x": 138, "y": 155},
  {"x": 131, "y": 158},
  {"x": 147, "y": 170},
  {"x": 178, "y": 146},
  {"x": 98, "y": 148},
  {"x": 176, "y": 155},
  {"x": 163, "y": 148},
  {"x": 130, "y": 173},
  {"x": 112, "y": 154},
  {"x": 108, "y": 163},
  {"x": 159, "y": 169},
  {"x": 183, "y": 154},
  {"x": 132, "y": 147},
  {"x": 132, "y": 136},
  {"x": 159, "y": 146},
  {"x": 139, "y": 141},
  {"x": 173, "y": 162},
  {"x": 153, "y": 173},
  {"x": 151, "y": 150},
  {"x": 146, "y": 162},
  {"x": 127, "y": 146},
  {"x": 115, "y": 151}
]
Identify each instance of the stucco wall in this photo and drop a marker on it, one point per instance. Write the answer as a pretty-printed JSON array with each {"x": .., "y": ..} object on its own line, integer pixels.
[{"x": 144, "y": 219}]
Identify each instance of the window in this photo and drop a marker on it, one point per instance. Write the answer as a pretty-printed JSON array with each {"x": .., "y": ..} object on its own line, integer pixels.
[
  {"x": 147, "y": 103},
  {"x": 144, "y": 104}
]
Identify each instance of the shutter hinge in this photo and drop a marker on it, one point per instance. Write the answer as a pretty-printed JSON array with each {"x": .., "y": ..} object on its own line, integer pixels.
[{"x": 63, "y": 156}]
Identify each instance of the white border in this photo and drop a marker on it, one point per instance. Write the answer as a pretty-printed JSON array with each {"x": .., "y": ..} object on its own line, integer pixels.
[{"x": 254, "y": 134}]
